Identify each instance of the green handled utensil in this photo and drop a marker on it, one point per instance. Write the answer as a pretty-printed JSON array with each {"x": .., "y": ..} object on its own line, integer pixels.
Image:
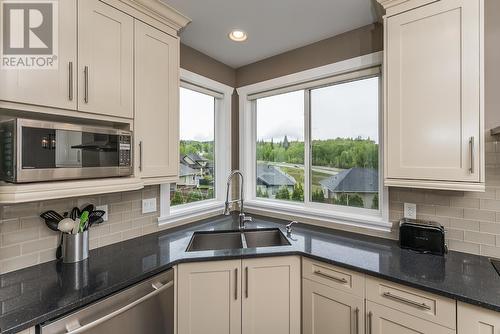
[{"x": 83, "y": 220}]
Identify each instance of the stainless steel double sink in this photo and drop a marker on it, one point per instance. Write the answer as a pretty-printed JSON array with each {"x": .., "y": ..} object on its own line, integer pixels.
[{"x": 218, "y": 240}]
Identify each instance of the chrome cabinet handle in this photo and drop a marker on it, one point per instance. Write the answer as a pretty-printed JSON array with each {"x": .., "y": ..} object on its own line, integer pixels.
[
  {"x": 246, "y": 282},
  {"x": 356, "y": 315},
  {"x": 472, "y": 155},
  {"x": 340, "y": 280},
  {"x": 236, "y": 284},
  {"x": 86, "y": 85},
  {"x": 140, "y": 155},
  {"x": 369, "y": 324},
  {"x": 422, "y": 306},
  {"x": 158, "y": 288},
  {"x": 70, "y": 79}
]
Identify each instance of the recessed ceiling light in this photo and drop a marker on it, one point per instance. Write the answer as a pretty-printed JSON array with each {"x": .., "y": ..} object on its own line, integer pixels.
[{"x": 238, "y": 35}]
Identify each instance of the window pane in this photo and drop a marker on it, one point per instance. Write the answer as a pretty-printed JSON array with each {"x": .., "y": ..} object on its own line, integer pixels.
[
  {"x": 197, "y": 149},
  {"x": 344, "y": 134},
  {"x": 280, "y": 147}
]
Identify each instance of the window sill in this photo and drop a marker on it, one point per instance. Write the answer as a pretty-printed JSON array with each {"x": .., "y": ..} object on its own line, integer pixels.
[
  {"x": 300, "y": 212},
  {"x": 190, "y": 213}
]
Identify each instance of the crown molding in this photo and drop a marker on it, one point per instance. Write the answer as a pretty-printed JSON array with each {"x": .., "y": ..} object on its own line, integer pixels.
[{"x": 161, "y": 12}]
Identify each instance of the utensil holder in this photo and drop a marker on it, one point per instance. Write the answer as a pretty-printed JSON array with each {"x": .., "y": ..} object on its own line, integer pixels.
[{"x": 75, "y": 247}]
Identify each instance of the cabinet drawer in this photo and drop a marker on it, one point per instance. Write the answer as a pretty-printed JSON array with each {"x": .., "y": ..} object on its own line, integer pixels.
[
  {"x": 424, "y": 305},
  {"x": 333, "y": 276}
]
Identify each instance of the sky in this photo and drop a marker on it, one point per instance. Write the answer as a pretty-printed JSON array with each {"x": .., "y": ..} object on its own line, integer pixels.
[
  {"x": 197, "y": 119},
  {"x": 344, "y": 110}
]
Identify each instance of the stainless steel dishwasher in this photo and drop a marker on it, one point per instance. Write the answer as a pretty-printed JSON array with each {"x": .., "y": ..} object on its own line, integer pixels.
[{"x": 147, "y": 307}]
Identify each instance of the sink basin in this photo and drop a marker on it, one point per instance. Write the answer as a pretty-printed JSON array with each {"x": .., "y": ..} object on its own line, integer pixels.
[
  {"x": 217, "y": 240},
  {"x": 265, "y": 238}
]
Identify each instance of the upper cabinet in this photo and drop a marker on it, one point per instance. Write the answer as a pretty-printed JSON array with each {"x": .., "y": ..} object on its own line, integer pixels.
[
  {"x": 434, "y": 110},
  {"x": 105, "y": 60},
  {"x": 156, "y": 103},
  {"x": 48, "y": 87}
]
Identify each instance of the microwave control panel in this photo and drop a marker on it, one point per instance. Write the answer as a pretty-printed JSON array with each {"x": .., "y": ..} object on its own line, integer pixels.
[{"x": 125, "y": 150}]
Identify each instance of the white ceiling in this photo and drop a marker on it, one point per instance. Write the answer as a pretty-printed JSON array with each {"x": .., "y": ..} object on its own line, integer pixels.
[{"x": 273, "y": 26}]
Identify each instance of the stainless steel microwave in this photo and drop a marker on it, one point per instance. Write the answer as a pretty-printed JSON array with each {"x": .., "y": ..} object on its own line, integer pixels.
[{"x": 34, "y": 151}]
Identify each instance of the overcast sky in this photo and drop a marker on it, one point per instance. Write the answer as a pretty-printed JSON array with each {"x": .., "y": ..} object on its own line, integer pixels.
[{"x": 345, "y": 110}]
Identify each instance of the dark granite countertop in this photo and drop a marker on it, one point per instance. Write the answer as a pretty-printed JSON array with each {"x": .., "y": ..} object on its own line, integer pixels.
[{"x": 36, "y": 294}]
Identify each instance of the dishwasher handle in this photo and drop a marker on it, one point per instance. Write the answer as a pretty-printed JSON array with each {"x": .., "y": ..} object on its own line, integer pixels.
[{"x": 75, "y": 328}]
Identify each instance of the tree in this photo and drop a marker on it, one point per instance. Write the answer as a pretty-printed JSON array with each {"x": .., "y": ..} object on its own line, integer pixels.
[
  {"x": 286, "y": 144},
  {"x": 262, "y": 194},
  {"x": 194, "y": 196},
  {"x": 298, "y": 193},
  {"x": 176, "y": 198},
  {"x": 349, "y": 200},
  {"x": 375, "y": 202},
  {"x": 283, "y": 193},
  {"x": 318, "y": 196}
]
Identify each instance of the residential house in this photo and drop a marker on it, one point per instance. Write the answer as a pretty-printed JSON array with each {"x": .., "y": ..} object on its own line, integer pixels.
[{"x": 271, "y": 178}]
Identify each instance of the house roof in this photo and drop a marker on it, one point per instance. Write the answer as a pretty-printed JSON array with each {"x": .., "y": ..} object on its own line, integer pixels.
[
  {"x": 186, "y": 170},
  {"x": 354, "y": 180},
  {"x": 273, "y": 176}
]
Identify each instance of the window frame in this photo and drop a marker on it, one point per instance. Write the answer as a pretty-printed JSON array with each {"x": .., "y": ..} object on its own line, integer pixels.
[
  {"x": 320, "y": 213},
  {"x": 222, "y": 155}
]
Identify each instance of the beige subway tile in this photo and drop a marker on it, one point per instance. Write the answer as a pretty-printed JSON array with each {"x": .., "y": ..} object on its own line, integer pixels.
[
  {"x": 9, "y": 252},
  {"x": 47, "y": 232},
  {"x": 498, "y": 240},
  {"x": 99, "y": 231},
  {"x": 396, "y": 206},
  {"x": 481, "y": 215},
  {"x": 455, "y": 234},
  {"x": 480, "y": 238},
  {"x": 489, "y": 193},
  {"x": 133, "y": 233},
  {"x": 19, "y": 237},
  {"x": 423, "y": 209},
  {"x": 465, "y": 247},
  {"x": 490, "y": 158},
  {"x": 47, "y": 255},
  {"x": 489, "y": 147},
  {"x": 110, "y": 239},
  {"x": 437, "y": 199},
  {"x": 20, "y": 210},
  {"x": 465, "y": 202},
  {"x": 10, "y": 225},
  {"x": 488, "y": 227},
  {"x": 120, "y": 227},
  {"x": 490, "y": 204},
  {"x": 445, "y": 221},
  {"x": 114, "y": 218},
  {"x": 142, "y": 221},
  {"x": 32, "y": 222},
  {"x": 132, "y": 196},
  {"x": 498, "y": 194},
  {"x": 39, "y": 245},
  {"x": 491, "y": 251},
  {"x": 409, "y": 196},
  {"x": 151, "y": 228},
  {"x": 119, "y": 207},
  {"x": 393, "y": 195},
  {"x": 110, "y": 199},
  {"x": 18, "y": 262},
  {"x": 445, "y": 211},
  {"x": 464, "y": 224}
]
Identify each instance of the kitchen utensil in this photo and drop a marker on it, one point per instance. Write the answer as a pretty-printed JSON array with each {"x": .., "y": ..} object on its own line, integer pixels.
[
  {"x": 84, "y": 218},
  {"x": 52, "y": 225},
  {"x": 75, "y": 213},
  {"x": 88, "y": 207},
  {"x": 76, "y": 226},
  {"x": 96, "y": 222},
  {"x": 52, "y": 215},
  {"x": 59, "y": 248},
  {"x": 66, "y": 225},
  {"x": 94, "y": 215}
]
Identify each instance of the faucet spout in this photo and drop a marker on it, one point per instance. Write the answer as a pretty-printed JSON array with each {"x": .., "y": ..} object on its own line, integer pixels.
[{"x": 227, "y": 204}]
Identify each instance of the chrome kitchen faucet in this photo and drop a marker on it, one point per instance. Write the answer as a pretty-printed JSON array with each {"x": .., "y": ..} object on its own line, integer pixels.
[{"x": 227, "y": 207}]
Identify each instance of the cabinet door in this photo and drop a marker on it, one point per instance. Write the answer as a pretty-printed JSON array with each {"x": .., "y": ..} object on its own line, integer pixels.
[
  {"x": 156, "y": 102},
  {"x": 384, "y": 320},
  {"x": 54, "y": 87},
  {"x": 209, "y": 298},
  {"x": 271, "y": 295},
  {"x": 326, "y": 310},
  {"x": 105, "y": 60},
  {"x": 433, "y": 115},
  {"x": 477, "y": 320}
]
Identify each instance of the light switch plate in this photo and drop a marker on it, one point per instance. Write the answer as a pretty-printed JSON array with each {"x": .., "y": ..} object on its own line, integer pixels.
[
  {"x": 105, "y": 209},
  {"x": 410, "y": 211},
  {"x": 149, "y": 205}
]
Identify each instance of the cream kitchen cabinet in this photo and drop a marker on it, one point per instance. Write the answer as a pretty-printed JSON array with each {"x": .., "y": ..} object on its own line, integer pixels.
[
  {"x": 48, "y": 87},
  {"x": 105, "y": 60},
  {"x": 476, "y": 320},
  {"x": 271, "y": 295},
  {"x": 209, "y": 298},
  {"x": 327, "y": 310},
  {"x": 384, "y": 320},
  {"x": 434, "y": 110},
  {"x": 156, "y": 103},
  {"x": 250, "y": 296}
]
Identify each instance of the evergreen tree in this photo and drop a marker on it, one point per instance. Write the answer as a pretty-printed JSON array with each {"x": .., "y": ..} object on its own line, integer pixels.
[
  {"x": 298, "y": 193},
  {"x": 283, "y": 193}
]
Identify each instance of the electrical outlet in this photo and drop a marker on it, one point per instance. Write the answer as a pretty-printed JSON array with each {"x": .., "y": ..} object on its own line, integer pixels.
[
  {"x": 149, "y": 205},
  {"x": 105, "y": 209},
  {"x": 410, "y": 210}
]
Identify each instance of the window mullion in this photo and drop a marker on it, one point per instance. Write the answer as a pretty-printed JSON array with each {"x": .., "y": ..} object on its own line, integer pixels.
[{"x": 307, "y": 147}]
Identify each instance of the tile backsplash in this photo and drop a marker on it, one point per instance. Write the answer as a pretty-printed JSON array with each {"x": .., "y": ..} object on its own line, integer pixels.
[
  {"x": 472, "y": 220},
  {"x": 25, "y": 240}
]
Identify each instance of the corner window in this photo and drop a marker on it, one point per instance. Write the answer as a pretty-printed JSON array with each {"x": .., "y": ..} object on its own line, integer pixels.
[
  {"x": 318, "y": 145},
  {"x": 197, "y": 149}
]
